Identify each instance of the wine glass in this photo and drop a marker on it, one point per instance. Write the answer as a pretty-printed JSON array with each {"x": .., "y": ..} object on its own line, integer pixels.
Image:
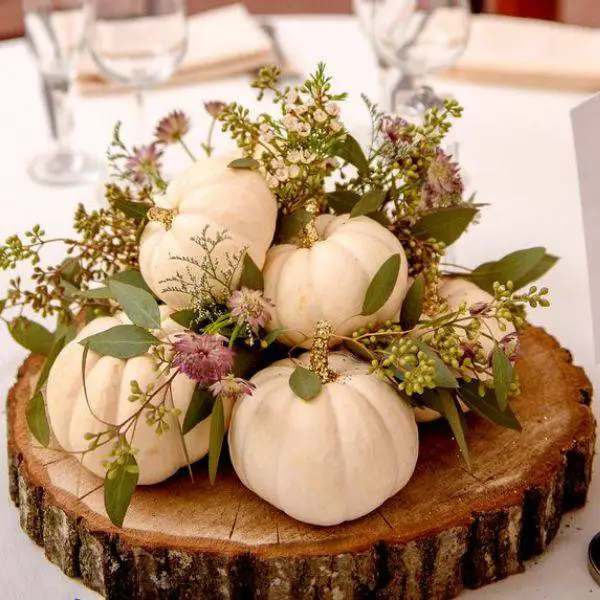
[
  {"x": 139, "y": 43},
  {"x": 419, "y": 37},
  {"x": 55, "y": 33}
]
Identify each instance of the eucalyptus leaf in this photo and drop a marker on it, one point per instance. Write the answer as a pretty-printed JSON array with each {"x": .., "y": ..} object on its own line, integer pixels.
[
  {"x": 380, "y": 217},
  {"x": 368, "y": 203},
  {"x": 71, "y": 270},
  {"x": 59, "y": 343},
  {"x": 412, "y": 307},
  {"x": 131, "y": 277},
  {"x": 99, "y": 293},
  {"x": 31, "y": 335},
  {"x": 244, "y": 163},
  {"x": 37, "y": 419},
  {"x": 217, "y": 433},
  {"x": 445, "y": 224},
  {"x": 342, "y": 201},
  {"x": 349, "y": 149},
  {"x": 503, "y": 375},
  {"x": 272, "y": 336},
  {"x": 305, "y": 383},
  {"x": 200, "y": 408},
  {"x": 251, "y": 276},
  {"x": 359, "y": 350},
  {"x": 547, "y": 262},
  {"x": 512, "y": 267},
  {"x": 119, "y": 488},
  {"x": 137, "y": 303},
  {"x": 290, "y": 225},
  {"x": 382, "y": 285},
  {"x": 134, "y": 210},
  {"x": 487, "y": 406},
  {"x": 121, "y": 341},
  {"x": 185, "y": 317},
  {"x": 444, "y": 378}
]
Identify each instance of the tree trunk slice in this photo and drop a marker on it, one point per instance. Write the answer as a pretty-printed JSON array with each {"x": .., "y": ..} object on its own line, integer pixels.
[{"x": 448, "y": 529}]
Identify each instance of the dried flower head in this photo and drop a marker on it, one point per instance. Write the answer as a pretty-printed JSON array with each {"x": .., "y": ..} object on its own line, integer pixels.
[
  {"x": 510, "y": 346},
  {"x": 250, "y": 308},
  {"x": 214, "y": 108},
  {"x": 202, "y": 357},
  {"x": 444, "y": 185},
  {"x": 232, "y": 387},
  {"x": 172, "y": 128},
  {"x": 144, "y": 163}
]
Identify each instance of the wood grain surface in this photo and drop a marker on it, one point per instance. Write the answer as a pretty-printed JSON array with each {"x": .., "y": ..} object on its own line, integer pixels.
[{"x": 448, "y": 529}]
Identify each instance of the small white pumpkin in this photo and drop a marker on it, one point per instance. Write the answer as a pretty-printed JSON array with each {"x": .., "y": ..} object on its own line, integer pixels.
[
  {"x": 211, "y": 195},
  {"x": 331, "y": 459},
  {"x": 329, "y": 279},
  {"x": 108, "y": 386},
  {"x": 455, "y": 291}
]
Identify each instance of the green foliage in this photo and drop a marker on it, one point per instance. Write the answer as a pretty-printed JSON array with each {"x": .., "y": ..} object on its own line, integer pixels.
[
  {"x": 201, "y": 406},
  {"x": 121, "y": 341},
  {"x": 305, "y": 383},
  {"x": 217, "y": 435},
  {"x": 412, "y": 307},
  {"x": 120, "y": 482},
  {"x": 445, "y": 224},
  {"x": 31, "y": 335},
  {"x": 382, "y": 285},
  {"x": 251, "y": 276}
]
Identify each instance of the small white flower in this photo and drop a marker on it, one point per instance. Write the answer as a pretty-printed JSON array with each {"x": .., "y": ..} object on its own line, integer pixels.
[
  {"x": 282, "y": 174},
  {"x": 335, "y": 126},
  {"x": 289, "y": 108},
  {"x": 300, "y": 109},
  {"x": 332, "y": 109},
  {"x": 272, "y": 182},
  {"x": 290, "y": 122},
  {"x": 294, "y": 171},
  {"x": 266, "y": 138},
  {"x": 320, "y": 116},
  {"x": 277, "y": 163},
  {"x": 309, "y": 157},
  {"x": 330, "y": 163},
  {"x": 266, "y": 133},
  {"x": 303, "y": 129},
  {"x": 294, "y": 156}
]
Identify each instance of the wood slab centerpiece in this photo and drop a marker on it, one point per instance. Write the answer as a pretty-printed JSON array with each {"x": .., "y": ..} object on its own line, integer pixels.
[{"x": 395, "y": 426}]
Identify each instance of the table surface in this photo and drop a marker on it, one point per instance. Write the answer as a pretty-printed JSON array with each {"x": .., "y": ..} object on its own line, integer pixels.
[{"x": 516, "y": 146}]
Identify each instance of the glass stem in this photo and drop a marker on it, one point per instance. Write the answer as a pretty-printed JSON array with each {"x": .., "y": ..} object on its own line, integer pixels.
[
  {"x": 140, "y": 107},
  {"x": 59, "y": 104},
  {"x": 396, "y": 88}
]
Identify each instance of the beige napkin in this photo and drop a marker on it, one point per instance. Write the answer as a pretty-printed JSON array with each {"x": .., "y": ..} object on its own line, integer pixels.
[
  {"x": 221, "y": 42},
  {"x": 513, "y": 51}
]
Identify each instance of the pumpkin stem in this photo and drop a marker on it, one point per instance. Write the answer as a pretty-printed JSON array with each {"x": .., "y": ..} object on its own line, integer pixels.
[
  {"x": 309, "y": 235},
  {"x": 162, "y": 215},
  {"x": 319, "y": 353}
]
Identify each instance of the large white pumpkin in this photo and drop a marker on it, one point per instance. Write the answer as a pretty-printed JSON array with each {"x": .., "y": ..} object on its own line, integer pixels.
[
  {"x": 455, "y": 291},
  {"x": 334, "y": 458},
  {"x": 329, "y": 279},
  {"x": 211, "y": 195},
  {"x": 108, "y": 386}
]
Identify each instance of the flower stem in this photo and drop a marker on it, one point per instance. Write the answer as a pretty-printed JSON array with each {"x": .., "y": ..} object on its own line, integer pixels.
[
  {"x": 187, "y": 149},
  {"x": 319, "y": 353}
]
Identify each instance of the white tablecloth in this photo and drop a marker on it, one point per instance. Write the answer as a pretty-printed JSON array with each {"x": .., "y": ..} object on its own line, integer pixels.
[{"x": 516, "y": 146}]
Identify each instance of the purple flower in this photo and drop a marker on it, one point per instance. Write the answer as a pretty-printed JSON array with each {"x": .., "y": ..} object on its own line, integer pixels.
[
  {"x": 143, "y": 163},
  {"x": 392, "y": 129},
  {"x": 250, "y": 307},
  {"x": 232, "y": 387},
  {"x": 172, "y": 128},
  {"x": 202, "y": 357},
  {"x": 214, "y": 108},
  {"x": 444, "y": 185}
]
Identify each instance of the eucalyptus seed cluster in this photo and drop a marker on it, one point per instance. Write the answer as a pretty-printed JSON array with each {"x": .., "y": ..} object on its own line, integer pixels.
[
  {"x": 409, "y": 363},
  {"x": 510, "y": 306},
  {"x": 425, "y": 256},
  {"x": 120, "y": 458},
  {"x": 106, "y": 243}
]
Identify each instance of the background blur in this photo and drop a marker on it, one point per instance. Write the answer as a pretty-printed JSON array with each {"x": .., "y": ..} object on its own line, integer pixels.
[{"x": 578, "y": 12}]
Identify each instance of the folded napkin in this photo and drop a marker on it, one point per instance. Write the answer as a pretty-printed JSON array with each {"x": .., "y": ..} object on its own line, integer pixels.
[
  {"x": 221, "y": 42},
  {"x": 514, "y": 51}
]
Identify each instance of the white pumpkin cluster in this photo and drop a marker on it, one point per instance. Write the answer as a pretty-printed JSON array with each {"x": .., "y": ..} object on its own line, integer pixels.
[{"x": 324, "y": 461}]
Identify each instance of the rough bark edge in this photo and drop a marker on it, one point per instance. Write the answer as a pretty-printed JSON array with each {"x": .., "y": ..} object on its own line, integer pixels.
[{"x": 493, "y": 546}]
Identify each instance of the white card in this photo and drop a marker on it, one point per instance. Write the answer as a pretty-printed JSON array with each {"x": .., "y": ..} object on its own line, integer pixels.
[{"x": 586, "y": 133}]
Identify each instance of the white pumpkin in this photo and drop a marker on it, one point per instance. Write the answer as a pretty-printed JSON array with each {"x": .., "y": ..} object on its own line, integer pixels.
[
  {"x": 334, "y": 458},
  {"x": 211, "y": 195},
  {"x": 329, "y": 279},
  {"x": 108, "y": 386},
  {"x": 455, "y": 291}
]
